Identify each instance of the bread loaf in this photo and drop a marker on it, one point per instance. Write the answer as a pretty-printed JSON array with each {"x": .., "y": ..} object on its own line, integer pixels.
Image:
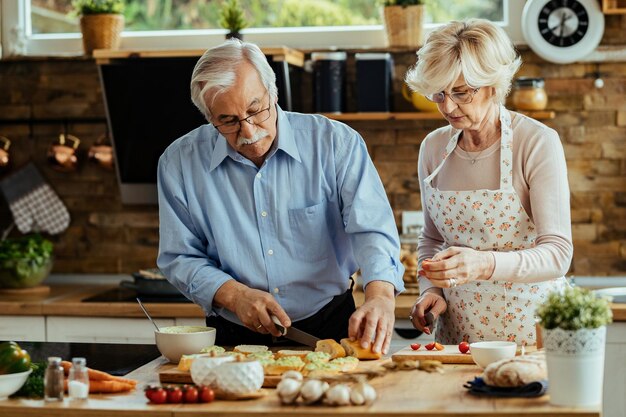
[
  {"x": 517, "y": 371},
  {"x": 353, "y": 348},
  {"x": 330, "y": 346}
]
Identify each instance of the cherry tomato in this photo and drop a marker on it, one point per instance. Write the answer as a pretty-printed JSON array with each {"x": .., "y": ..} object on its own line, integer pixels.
[
  {"x": 463, "y": 347},
  {"x": 174, "y": 395},
  {"x": 190, "y": 395},
  {"x": 430, "y": 346},
  {"x": 439, "y": 346},
  {"x": 206, "y": 394},
  {"x": 159, "y": 396},
  {"x": 415, "y": 346}
]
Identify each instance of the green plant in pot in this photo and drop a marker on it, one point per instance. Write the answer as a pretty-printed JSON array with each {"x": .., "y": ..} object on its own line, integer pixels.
[
  {"x": 404, "y": 23},
  {"x": 232, "y": 18},
  {"x": 24, "y": 261},
  {"x": 101, "y": 23},
  {"x": 573, "y": 328}
]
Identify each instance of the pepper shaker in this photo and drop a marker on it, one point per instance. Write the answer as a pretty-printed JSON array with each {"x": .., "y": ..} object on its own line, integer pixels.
[{"x": 53, "y": 380}]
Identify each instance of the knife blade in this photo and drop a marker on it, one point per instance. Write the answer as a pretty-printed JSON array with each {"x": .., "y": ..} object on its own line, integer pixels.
[
  {"x": 430, "y": 322},
  {"x": 296, "y": 335}
]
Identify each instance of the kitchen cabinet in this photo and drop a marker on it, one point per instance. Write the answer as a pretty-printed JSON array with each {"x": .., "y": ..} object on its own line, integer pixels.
[
  {"x": 103, "y": 329},
  {"x": 614, "y": 6},
  {"x": 614, "y": 401},
  {"x": 18, "y": 328}
]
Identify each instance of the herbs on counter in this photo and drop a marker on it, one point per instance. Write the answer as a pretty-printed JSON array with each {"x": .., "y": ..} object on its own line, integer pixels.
[
  {"x": 25, "y": 255},
  {"x": 33, "y": 387}
]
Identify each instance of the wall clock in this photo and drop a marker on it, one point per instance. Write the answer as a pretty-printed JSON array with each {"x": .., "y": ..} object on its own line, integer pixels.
[{"x": 562, "y": 31}]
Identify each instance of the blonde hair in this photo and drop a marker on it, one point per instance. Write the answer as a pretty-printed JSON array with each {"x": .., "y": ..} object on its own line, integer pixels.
[
  {"x": 476, "y": 48},
  {"x": 215, "y": 71}
]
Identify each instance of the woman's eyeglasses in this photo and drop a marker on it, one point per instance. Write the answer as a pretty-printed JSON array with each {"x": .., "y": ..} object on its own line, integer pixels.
[{"x": 459, "y": 97}]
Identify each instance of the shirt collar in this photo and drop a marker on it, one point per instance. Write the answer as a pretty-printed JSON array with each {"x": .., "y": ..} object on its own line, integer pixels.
[{"x": 284, "y": 140}]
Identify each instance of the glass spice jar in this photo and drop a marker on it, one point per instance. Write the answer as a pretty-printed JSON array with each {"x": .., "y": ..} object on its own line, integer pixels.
[
  {"x": 53, "y": 380},
  {"x": 529, "y": 94}
]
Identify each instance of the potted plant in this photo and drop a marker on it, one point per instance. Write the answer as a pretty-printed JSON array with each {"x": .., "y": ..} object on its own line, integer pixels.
[
  {"x": 101, "y": 23},
  {"x": 573, "y": 326},
  {"x": 404, "y": 23},
  {"x": 233, "y": 19}
]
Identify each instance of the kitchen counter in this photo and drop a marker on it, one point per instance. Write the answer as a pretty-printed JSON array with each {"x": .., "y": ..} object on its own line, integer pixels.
[
  {"x": 402, "y": 393},
  {"x": 66, "y": 300}
]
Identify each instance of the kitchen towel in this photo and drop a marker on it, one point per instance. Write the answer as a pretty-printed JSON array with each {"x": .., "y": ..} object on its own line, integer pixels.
[
  {"x": 534, "y": 389},
  {"x": 34, "y": 204}
]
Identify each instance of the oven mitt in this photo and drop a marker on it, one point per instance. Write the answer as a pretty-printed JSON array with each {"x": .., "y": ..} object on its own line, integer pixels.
[
  {"x": 34, "y": 204},
  {"x": 534, "y": 389}
]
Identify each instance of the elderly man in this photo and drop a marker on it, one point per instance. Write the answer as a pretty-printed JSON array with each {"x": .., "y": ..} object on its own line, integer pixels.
[{"x": 268, "y": 213}]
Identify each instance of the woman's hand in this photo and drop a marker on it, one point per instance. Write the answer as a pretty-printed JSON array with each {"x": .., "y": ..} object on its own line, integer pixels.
[
  {"x": 457, "y": 265},
  {"x": 430, "y": 302}
]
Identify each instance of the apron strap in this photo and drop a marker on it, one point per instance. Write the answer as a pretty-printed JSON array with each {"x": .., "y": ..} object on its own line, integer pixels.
[{"x": 506, "y": 151}]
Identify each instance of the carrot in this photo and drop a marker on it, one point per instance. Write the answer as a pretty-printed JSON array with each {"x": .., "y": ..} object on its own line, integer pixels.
[
  {"x": 105, "y": 386},
  {"x": 95, "y": 375}
]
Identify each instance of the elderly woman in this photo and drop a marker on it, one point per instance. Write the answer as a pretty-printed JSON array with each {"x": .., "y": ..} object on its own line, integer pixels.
[{"x": 497, "y": 235}]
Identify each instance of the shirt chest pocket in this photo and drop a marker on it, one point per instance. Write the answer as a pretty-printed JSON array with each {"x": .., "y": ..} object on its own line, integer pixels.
[{"x": 310, "y": 239}]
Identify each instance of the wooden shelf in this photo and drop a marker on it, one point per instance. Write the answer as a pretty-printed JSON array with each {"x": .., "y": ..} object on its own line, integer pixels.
[
  {"x": 278, "y": 53},
  {"x": 538, "y": 115},
  {"x": 614, "y": 6}
]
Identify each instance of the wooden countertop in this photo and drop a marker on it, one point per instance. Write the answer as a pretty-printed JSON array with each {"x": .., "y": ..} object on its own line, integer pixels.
[
  {"x": 66, "y": 300},
  {"x": 402, "y": 393}
]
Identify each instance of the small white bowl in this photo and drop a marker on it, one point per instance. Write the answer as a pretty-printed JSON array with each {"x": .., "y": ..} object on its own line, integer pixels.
[
  {"x": 485, "y": 353},
  {"x": 176, "y": 341},
  {"x": 11, "y": 383}
]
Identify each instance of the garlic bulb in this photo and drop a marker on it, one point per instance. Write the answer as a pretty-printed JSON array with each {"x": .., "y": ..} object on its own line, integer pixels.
[
  {"x": 288, "y": 390},
  {"x": 313, "y": 390},
  {"x": 362, "y": 393},
  {"x": 292, "y": 375},
  {"x": 338, "y": 395}
]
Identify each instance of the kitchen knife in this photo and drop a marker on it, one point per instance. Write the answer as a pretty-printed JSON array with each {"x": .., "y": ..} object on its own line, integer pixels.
[
  {"x": 296, "y": 335},
  {"x": 430, "y": 322}
]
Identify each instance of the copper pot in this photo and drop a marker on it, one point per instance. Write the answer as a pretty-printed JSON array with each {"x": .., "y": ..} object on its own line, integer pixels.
[
  {"x": 62, "y": 155},
  {"x": 101, "y": 153},
  {"x": 5, "y": 144}
]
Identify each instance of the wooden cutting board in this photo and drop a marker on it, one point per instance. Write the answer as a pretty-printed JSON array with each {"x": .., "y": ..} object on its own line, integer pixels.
[{"x": 450, "y": 354}]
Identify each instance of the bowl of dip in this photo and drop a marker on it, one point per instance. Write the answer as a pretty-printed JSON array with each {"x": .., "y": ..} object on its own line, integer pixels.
[{"x": 176, "y": 341}]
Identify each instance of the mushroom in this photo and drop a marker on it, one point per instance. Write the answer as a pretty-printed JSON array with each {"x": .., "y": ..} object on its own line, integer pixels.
[
  {"x": 313, "y": 390},
  {"x": 338, "y": 395},
  {"x": 292, "y": 375},
  {"x": 362, "y": 393},
  {"x": 288, "y": 390}
]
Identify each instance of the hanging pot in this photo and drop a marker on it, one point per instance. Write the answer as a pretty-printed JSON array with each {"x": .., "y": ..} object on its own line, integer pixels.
[
  {"x": 62, "y": 155},
  {"x": 101, "y": 153}
]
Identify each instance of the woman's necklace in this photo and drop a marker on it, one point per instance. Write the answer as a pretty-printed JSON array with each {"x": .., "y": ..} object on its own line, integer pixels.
[{"x": 473, "y": 160}]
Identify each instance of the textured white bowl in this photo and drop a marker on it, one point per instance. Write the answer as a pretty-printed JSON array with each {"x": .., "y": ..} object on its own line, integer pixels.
[
  {"x": 203, "y": 369},
  {"x": 485, "y": 353},
  {"x": 175, "y": 345},
  {"x": 239, "y": 378},
  {"x": 10, "y": 383}
]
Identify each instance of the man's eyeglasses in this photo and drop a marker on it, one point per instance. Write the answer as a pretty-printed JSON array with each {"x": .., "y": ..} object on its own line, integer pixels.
[
  {"x": 459, "y": 97},
  {"x": 254, "y": 119}
]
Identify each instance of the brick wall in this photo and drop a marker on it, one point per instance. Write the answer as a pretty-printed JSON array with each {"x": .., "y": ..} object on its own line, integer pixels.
[{"x": 106, "y": 236}]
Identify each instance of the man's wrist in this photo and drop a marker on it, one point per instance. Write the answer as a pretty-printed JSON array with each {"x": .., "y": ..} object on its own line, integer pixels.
[{"x": 382, "y": 289}]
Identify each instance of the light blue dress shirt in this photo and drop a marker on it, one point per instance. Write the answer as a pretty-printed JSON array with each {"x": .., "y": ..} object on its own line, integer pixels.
[{"x": 298, "y": 227}]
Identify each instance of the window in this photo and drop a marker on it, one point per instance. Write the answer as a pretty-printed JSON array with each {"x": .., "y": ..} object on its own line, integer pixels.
[{"x": 45, "y": 27}]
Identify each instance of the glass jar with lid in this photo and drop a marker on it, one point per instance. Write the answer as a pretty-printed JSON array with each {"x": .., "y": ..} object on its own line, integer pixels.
[{"x": 529, "y": 94}]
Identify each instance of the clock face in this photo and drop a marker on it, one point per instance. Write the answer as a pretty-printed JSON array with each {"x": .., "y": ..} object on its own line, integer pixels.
[
  {"x": 562, "y": 31},
  {"x": 563, "y": 22}
]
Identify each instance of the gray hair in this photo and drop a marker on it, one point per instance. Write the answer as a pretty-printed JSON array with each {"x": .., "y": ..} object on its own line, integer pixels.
[
  {"x": 215, "y": 71},
  {"x": 476, "y": 48}
]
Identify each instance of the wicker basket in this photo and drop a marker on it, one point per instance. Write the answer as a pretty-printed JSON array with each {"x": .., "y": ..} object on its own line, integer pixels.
[
  {"x": 404, "y": 25},
  {"x": 101, "y": 31}
]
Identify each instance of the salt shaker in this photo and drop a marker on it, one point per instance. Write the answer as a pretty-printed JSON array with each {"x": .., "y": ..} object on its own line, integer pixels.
[
  {"x": 78, "y": 383},
  {"x": 53, "y": 380}
]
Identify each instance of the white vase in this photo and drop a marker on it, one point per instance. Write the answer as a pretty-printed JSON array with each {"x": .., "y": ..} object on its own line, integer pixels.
[
  {"x": 203, "y": 369},
  {"x": 575, "y": 360},
  {"x": 239, "y": 378}
]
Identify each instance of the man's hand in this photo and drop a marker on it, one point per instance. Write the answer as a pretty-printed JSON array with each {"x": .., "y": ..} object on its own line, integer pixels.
[
  {"x": 431, "y": 301},
  {"x": 374, "y": 320},
  {"x": 457, "y": 265},
  {"x": 253, "y": 307}
]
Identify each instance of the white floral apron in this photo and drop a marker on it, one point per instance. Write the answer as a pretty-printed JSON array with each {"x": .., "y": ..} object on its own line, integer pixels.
[{"x": 487, "y": 220}]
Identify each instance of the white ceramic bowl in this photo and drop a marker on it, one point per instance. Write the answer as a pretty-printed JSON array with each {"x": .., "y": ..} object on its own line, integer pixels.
[
  {"x": 10, "y": 383},
  {"x": 485, "y": 353},
  {"x": 239, "y": 378},
  {"x": 176, "y": 341},
  {"x": 203, "y": 369}
]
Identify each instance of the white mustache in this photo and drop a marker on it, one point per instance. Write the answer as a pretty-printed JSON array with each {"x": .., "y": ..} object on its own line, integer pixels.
[{"x": 258, "y": 135}]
